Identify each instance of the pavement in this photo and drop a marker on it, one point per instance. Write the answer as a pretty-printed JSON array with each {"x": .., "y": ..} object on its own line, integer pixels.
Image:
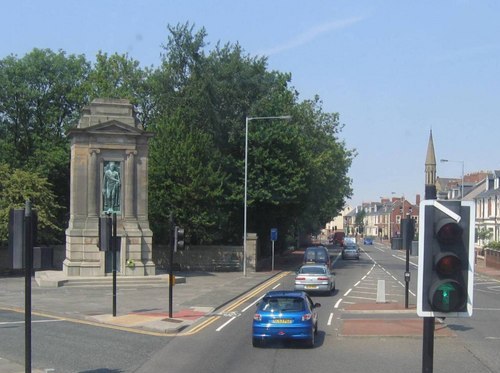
[{"x": 145, "y": 308}]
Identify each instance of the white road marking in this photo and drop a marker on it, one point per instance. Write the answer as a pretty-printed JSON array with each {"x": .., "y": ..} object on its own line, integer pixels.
[
  {"x": 225, "y": 324},
  {"x": 33, "y": 321},
  {"x": 347, "y": 292},
  {"x": 251, "y": 304},
  {"x": 330, "y": 319},
  {"x": 337, "y": 304}
]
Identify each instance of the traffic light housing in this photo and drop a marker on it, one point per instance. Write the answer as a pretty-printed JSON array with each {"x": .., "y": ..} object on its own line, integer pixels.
[
  {"x": 105, "y": 239},
  {"x": 179, "y": 242},
  {"x": 446, "y": 259}
]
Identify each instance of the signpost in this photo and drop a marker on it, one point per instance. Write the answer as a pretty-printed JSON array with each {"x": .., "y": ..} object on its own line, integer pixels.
[{"x": 274, "y": 237}]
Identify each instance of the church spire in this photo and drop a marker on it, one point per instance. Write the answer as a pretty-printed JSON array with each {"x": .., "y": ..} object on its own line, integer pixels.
[{"x": 430, "y": 168}]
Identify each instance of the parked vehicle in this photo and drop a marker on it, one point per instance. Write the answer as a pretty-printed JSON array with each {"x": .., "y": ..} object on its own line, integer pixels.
[
  {"x": 315, "y": 277},
  {"x": 285, "y": 315},
  {"x": 317, "y": 254},
  {"x": 350, "y": 251}
]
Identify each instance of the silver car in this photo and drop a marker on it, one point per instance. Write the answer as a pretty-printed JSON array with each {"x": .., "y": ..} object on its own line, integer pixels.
[
  {"x": 315, "y": 277},
  {"x": 350, "y": 252}
]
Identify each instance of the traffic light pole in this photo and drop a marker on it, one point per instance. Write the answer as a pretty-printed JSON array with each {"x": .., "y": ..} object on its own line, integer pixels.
[
  {"x": 428, "y": 345},
  {"x": 171, "y": 266},
  {"x": 28, "y": 269},
  {"x": 429, "y": 322},
  {"x": 113, "y": 248}
]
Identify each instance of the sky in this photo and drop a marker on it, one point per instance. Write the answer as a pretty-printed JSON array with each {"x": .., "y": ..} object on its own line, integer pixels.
[{"x": 393, "y": 69}]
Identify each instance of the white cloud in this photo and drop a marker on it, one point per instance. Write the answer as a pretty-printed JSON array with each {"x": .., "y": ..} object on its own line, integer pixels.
[{"x": 310, "y": 35}]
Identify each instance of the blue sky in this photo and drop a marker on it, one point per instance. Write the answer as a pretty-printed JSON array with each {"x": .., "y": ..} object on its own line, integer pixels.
[{"x": 393, "y": 69}]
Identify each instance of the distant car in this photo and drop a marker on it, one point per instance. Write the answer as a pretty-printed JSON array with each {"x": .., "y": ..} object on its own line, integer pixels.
[
  {"x": 317, "y": 254},
  {"x": 338, "y": 238},
  {"x": 285, "y": 315},
  {"x": 368, "y": 241},
  {"x": 350, "y": 251},
  {"x": 349, "y": 240},
  {"x": 315, "y": 277}
]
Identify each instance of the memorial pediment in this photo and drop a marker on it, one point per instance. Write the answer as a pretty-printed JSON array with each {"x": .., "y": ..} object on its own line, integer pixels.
[{"x": 114, "y": 127}]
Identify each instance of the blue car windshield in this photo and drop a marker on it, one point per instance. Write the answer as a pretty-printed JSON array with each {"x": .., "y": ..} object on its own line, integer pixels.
[{"x": 282, "y": 304}]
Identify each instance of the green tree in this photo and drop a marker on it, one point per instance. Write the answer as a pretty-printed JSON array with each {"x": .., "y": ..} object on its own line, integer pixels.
[
  {"x": 297, "y": 169},
  {"x": 41, "y": 95},
  {"x": 17, "y": 186},
  {"x": 360, "y": 220},
  {"x": 185, "y": 181},
  {"x": 121, "y": 77}
]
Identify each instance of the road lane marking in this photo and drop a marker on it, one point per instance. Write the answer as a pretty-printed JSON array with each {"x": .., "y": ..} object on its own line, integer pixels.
[
  {"x": 337, "y": 304},
  {"x": 330, "y": 319},
  {"x": 347, "y": 292},
  {"x": 251, "y": 304},
  {"x": 357, "y": 283},
  {"x": 225, "y": 324},
  {"x": 32, "y": 321}
]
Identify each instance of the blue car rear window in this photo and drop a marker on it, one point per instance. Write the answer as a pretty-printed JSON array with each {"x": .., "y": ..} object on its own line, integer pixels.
[{"x": 282, "y": 304}]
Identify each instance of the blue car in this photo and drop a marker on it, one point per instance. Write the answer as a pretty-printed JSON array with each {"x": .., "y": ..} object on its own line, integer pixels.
[
  {"x": 285, "y": 315},
  {"x": 368, "y": 241}
]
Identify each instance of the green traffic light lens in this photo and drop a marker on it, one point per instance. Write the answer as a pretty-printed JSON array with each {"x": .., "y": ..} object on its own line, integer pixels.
[{"x": 447, "y": 296}]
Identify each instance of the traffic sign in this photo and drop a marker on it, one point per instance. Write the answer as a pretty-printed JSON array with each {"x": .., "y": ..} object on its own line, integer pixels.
[{"x": 274, "y": 234}]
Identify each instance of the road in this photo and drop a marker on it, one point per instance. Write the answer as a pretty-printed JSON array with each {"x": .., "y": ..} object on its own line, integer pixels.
[{"x": 224, "y": 345}]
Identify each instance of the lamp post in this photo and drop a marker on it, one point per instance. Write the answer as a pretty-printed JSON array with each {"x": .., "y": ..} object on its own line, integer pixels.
[
  {"x": 463, "y": 166},
  {"x": 247, "y": 120}
]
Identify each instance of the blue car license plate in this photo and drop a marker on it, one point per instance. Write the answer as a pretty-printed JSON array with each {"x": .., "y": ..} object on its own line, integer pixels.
[{"x": 282, "y": 321}]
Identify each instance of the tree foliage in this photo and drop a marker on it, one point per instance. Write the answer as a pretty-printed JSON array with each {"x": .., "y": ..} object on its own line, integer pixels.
[
  {"x": 17, "y": 186},
  {"x": 196, "y": 103}
]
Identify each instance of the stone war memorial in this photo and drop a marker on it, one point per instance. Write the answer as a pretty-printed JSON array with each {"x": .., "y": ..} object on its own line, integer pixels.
[{"x": 109, "y": 174}]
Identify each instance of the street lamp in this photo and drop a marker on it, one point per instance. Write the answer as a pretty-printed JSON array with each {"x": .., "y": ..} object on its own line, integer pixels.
[
  {"x": 248, "y": 119},
  {"x": 463, "y": 166}
]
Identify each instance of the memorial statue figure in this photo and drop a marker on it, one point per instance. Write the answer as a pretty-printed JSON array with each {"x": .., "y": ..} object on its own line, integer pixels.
[{"x": 111, "y": 188}]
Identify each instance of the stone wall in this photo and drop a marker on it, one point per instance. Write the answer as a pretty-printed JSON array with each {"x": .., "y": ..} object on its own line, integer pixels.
[
  {"x": 492, "y": 258},
  {"x": 201, "y": 258}
]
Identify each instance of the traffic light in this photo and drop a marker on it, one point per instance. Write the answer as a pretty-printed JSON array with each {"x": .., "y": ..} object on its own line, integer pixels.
[
  {"x": 105, "y": 239},
  {"x": 446, "y": 259},
  {"x": 179, "y": 238}
]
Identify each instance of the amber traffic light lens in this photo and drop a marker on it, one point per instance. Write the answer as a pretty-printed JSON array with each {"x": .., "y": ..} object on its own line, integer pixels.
[{"x": 448, "y": 264}]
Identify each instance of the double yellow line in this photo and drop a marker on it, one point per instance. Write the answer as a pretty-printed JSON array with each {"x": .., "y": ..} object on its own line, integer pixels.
[
  {"x": 211, "y": 319},
  {"x": 238, "y": 302}
]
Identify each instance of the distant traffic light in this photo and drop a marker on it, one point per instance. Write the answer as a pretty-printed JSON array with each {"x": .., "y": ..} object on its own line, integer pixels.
[
  {"x": 179, "y": 238},
  {"x": 446, "y": 259}
]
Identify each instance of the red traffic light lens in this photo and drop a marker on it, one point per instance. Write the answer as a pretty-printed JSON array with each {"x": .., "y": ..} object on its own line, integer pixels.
[
  {"x": 448, "y": 264},
  {"x": 449, "y": 233}
]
